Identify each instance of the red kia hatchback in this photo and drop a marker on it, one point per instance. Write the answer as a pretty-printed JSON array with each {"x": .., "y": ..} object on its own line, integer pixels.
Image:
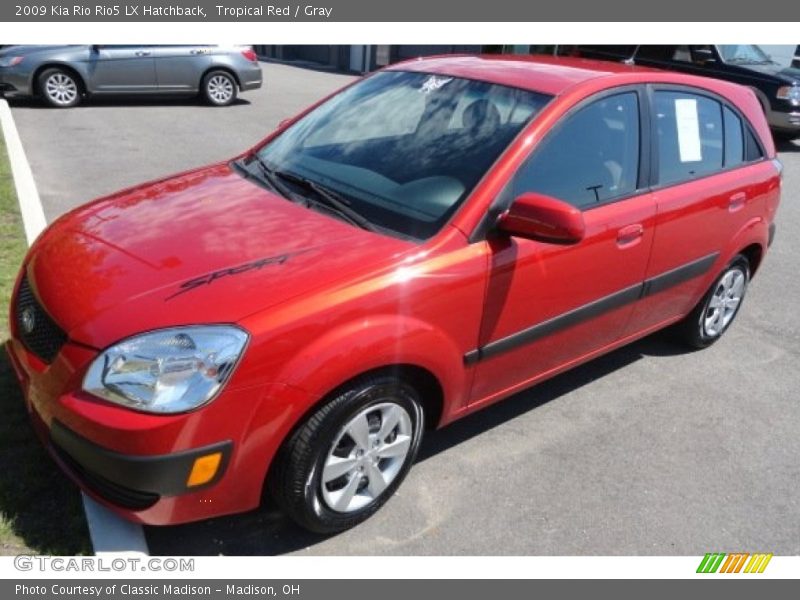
[{"x": 425, "y": 242}]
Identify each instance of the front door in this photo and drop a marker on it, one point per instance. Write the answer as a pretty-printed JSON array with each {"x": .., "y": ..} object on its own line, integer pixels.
[
  {"x": 550, "y": 305},
  {"x": 122, "y": 69}
]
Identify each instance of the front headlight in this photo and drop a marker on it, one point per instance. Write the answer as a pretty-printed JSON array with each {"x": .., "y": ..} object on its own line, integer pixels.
[
  {"x": 167, "y": 371},
  {"x": 10, "y": 61},
  {"x": 790, "y": 93}
]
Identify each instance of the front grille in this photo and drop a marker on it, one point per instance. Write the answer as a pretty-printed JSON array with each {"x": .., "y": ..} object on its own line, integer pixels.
[
  {"x": 38, "y": 332},
  {"x": 113, "y": 492}
]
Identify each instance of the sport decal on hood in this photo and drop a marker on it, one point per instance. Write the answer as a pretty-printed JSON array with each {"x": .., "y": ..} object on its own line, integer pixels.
[{"x": 209, "y": 278}]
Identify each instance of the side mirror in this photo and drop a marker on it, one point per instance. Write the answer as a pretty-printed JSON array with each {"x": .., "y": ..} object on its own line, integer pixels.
[
  {"x": 94, "y": 48},
  {"x": 543, "y": 219}
]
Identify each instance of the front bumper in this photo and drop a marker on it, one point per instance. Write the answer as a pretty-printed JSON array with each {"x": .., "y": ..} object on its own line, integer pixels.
[
  {"x": 133, "y": 482},
  {"x": 785, "y": 121},
  {"x": 138, "y": 464},
  {"x": 14, "y": 82}
]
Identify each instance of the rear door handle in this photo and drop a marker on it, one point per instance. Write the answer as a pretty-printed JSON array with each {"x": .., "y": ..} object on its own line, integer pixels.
[
  {"x": 200, "y": 51},
  {"x": 736, "y": 201},
  {"x": 142, "y": 53},
  {"x": 630, "y": 235}
]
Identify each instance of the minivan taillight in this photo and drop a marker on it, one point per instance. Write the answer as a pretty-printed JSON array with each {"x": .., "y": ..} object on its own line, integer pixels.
[{"x": 250, "y": 54}]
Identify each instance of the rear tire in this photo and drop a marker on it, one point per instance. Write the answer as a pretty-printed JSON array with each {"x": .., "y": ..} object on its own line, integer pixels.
[
  {"x": 713, "y": 315},
  {"x": 60, "y": 88},
  {"x": 348, "y": 458},
  {"x": 218, "y": 88}
]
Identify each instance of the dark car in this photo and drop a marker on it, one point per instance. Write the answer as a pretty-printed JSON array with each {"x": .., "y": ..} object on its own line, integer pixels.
[
  {"x": 776, "y": 86},
  {"x": 63, "y": 75}
]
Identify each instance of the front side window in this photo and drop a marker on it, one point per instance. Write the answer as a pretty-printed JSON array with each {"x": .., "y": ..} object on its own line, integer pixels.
[
  {"x": 590, "y": 158},
  {"x": 404, "y": 149},
  {"x": 689, "y": 136}
]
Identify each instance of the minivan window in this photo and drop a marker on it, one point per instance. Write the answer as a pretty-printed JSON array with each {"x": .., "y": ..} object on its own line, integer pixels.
[
  {"x": 689, "y": 136},
  {"x": 743, "y": 54},
  {"x": 591, "y": 158}
]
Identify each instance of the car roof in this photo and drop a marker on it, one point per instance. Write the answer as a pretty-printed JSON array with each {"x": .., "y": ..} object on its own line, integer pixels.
[{"x": 546, "y": 74}]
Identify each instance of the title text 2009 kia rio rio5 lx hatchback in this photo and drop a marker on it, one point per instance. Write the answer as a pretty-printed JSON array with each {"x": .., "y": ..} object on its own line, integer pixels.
[{"x": 431, "y": 239}]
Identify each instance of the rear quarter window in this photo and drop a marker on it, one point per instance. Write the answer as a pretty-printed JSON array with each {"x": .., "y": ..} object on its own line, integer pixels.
[{"x": 690, "y": 137}]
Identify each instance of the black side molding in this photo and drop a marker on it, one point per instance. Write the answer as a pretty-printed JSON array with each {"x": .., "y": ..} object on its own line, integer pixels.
[
  {"x": 662, "y": 282},
  {"x": 551, "y": 326},
  {"x": 628, "y": 295}
]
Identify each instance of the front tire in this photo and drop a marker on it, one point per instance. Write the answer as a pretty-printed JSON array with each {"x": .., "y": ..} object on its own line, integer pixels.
[
  {"x": 348, "y": 458},
  {"x": 59, "y": 88},
  {"x": 718, "y": 308},
  {"x": 219, "y": 88}
]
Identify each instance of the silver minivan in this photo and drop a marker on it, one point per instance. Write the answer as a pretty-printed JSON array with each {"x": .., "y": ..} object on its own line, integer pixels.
[{"x": 63, "y": 75}]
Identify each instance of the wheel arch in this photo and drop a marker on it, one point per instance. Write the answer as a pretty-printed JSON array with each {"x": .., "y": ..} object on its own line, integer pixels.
[
  {"x": 423, "y": 381},
  {"x": 224, "y": 68},
  {"x": 57, "y": 65},
  {"x": 754, "y": 254},
  {"x": 763, "y": 100}
]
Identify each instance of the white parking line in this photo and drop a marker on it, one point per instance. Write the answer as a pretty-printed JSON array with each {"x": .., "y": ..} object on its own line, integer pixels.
[
  {"x": 29, "y": 204},
  {"x": 110, "y": 535}
]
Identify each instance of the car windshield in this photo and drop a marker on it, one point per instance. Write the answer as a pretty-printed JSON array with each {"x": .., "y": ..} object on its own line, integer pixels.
[
  {"x": 744, "y": 54},
  {"x": 403, "y": 149}
]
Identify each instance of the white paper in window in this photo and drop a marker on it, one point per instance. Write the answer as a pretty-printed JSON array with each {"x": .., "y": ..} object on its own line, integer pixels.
[{"x": 688, "y": 123}]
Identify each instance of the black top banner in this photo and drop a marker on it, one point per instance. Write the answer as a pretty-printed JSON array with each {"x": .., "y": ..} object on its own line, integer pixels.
[{"x": 395, "y": 11}]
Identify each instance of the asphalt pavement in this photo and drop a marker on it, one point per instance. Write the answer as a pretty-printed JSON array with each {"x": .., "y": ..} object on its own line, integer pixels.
[{"x": 650, "y": 450}]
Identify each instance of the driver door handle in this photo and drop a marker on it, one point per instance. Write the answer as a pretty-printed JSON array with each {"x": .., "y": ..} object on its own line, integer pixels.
[{"x": 630, "y": 235}]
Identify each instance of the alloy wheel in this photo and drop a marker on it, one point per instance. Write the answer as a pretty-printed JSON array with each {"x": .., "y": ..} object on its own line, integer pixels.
[
  {"x": 220, "y": 89},
  {"x": 724, "y": 302},
  {"x": 365, "y": 457},
  {"x": 61, "y": 89}
]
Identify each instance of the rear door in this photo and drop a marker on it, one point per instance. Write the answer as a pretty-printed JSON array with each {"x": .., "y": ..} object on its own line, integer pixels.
[
  {"x": 705, "y": 192},
  {"x": 121, "y": 69},
  {"x": 550, "y": 305},
  {"x": 179, "y": 68}
]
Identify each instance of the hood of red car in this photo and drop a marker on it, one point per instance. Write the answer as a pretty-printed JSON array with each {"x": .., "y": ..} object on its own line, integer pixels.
[{"x": 206, "y": 246}]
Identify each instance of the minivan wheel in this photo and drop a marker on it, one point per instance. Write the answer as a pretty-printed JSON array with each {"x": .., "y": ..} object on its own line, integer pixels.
[
  {"x": 348, "y": 458},
  {"x": 59, "y": 88},
  {"x": 219, "y": 88},
  {"x": 719, "y": 307}
]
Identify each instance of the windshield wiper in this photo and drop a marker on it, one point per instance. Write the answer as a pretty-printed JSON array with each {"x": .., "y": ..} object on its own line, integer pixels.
[
  {"x": 329, "y": 199},
  {"x": 274, "y": 182}
]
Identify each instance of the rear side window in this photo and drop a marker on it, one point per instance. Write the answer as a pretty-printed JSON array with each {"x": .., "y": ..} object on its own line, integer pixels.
[
  {"x": 752, "y": 149},
  {"x": 689, "y": 135},
  {"x": 734, "y": 138},
  {"x": 591, "y": 158}
]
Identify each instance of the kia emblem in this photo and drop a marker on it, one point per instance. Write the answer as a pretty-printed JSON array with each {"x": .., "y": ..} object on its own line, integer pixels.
[{"x": 28, "y": 320}]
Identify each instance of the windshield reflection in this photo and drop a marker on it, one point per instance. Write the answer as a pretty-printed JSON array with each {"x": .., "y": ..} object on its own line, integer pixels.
[{"x": 405, "y": 148}]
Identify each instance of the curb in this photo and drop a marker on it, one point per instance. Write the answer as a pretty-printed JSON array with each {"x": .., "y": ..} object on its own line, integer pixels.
[{"x": 110, "y": 534}]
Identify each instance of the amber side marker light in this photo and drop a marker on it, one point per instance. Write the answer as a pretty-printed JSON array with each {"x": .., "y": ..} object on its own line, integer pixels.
[{"x": 204, "y": 469}]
